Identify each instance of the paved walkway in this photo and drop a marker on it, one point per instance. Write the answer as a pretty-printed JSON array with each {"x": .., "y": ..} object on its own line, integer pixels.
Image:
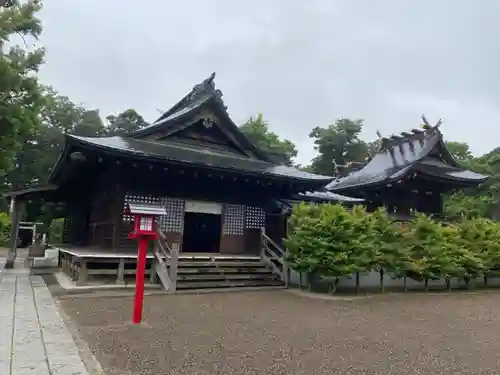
[{"x": 34, "y": 339}]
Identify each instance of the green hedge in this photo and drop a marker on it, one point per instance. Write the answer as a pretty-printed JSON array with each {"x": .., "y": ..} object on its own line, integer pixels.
[
  {"x": 329, "y": 242},
  {"x": 5, "y": 225}
]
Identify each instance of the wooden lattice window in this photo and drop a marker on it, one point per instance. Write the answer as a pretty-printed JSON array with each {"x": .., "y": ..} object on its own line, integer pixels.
[
  {"x": 173, "y": 221},
  {"x": 234, "y": 220},
  {"x": 255, "y": 217}
]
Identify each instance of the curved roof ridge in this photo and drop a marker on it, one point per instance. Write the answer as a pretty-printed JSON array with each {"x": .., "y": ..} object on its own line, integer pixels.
[{"x": 207, "y": 86}]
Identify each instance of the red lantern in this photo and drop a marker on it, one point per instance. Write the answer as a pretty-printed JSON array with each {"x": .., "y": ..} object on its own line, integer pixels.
[{"x": 144, "y": 231}]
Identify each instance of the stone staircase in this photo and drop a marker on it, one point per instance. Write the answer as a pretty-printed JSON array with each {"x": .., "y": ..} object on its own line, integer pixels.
[
  {"x": 179, "y": 272},
  {"x": 199, "y": 272}
]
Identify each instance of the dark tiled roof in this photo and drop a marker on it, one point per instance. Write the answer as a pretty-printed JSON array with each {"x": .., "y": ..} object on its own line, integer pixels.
[
  {"x": 419, "y": 150},
  {"x": 325, "y": 196},
  {"x": 31, "y": 191},
  {"x": 435, "y": 167},
  {"x": 199, "y": 95},
  {"x": 194, "y": 155},
  {"x": 204, "y": 93},
  {"x": 318, "y": 197}
]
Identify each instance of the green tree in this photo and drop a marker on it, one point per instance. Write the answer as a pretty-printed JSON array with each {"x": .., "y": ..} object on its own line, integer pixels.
[
  {"x": 300, "y": 256},
  {"x": 328, "y": 241},
  {"x": 477, "y": 201},
  {"x": 431, "y": 256},
  {"x": 338, "y": 144},
  {"x": 481, "y": 239},
  {"x": 373, "y": 147},
  {"x": 126, "y": 122},
  {"x": 42, "y": 146},
  {"x": 20, "y": 97},
  {"x": 362, "y": 250},
  {"x": 389, "y": 253},
  {"x": 89, "y": 124},
  {"x": 257, "y": 131},
  {"x": 460, "y": 151},
  {"x": 5, "y": 223}
]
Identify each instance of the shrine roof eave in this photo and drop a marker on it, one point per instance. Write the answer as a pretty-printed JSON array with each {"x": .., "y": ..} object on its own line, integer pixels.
[
  {"x": 208, "y": 159},
  {"x": 31, "y": 192},
  {"x": 325, "y": 197},
  {"x": 438, "y": 172},
  {"x": 169, "y": 122},
  {"x": 175, "y": 117}
]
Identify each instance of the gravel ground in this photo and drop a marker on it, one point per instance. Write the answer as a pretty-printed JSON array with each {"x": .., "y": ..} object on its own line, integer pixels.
[{"x": 278, "y": 332}]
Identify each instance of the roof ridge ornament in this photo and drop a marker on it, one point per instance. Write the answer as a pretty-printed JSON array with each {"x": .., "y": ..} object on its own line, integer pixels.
[
  {"x": 427, "y": 126},
  {"x": 206, "y": 88}
]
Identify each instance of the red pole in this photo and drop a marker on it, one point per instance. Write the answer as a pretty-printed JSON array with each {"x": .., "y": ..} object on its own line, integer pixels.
[{"x": 139, "y": 279}]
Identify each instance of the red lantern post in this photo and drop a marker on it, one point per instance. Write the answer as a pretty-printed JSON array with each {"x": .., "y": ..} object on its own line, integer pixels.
[{"x": 144, "y": 231}]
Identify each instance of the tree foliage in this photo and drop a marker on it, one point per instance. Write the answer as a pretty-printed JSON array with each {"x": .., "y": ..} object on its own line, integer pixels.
[
  {"x": 338, "y": 144},
  {"x": 124, "y": 123},
  {"x": 479, "y": 201},
  {"x": 5, "y": 224},
  {"x": 328, "y": 241},
  {"x": 459, "y": 150},
  {"x": 20, "y": 97},
  {"x": 388, "y": 253},
  {"x": 257, "y": 131},
  {"x": 431, "y": 257}
]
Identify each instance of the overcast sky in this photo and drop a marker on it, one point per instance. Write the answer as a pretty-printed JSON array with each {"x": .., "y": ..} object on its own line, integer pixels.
[{"x": 301, "y": 63}]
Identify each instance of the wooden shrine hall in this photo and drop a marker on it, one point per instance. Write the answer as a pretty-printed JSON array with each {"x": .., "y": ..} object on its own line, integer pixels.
[
  {"x": 218, "y": 189},
  {"x": 409, "y": 174}
]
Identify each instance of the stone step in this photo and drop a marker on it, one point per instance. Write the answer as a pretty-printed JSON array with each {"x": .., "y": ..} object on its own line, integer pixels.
[
  {"x": 227, "y": 258},
  {"x": 227, "y": 284},
  {"x": 236, "y": 276},
  {"x": 222, "y": 270},
  {"x": 183, "y": 263}
]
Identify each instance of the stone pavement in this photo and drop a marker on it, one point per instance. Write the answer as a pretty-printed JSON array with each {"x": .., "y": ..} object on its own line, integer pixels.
[{"x": 33, "y": 337}]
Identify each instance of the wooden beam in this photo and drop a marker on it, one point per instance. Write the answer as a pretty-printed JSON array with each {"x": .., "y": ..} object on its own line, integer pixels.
[
  {"x": 426, "y": 123},
  {"x": 14, "y": 231}
]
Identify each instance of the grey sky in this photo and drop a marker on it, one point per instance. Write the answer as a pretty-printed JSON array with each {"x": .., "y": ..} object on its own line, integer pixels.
[{"x": 300, "y": 63}]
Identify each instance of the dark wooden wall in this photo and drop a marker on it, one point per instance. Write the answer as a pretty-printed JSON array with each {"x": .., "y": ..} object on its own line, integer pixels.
[{"x": 109, "y": 181}]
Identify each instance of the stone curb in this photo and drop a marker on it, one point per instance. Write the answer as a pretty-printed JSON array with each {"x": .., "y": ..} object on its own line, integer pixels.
[
  {"x": 324, "y": 296},
  {"x": 89, "y": 360}
]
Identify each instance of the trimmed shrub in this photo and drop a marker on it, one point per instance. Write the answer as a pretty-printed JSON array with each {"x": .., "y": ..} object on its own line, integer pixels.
[{"x": 329, "y": 242}]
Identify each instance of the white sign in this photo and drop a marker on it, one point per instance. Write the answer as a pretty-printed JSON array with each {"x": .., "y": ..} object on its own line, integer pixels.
[{"x": 203, "y": 207}]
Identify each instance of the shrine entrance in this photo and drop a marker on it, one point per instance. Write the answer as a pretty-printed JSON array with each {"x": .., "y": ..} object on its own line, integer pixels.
[{"x": 202, "y": 227}]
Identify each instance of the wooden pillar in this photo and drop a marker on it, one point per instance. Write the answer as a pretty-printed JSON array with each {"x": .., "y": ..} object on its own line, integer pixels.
[
  {"x": 439, "y": 204},
  {"x": 120, "y": 279},
  {"x": 82, "y": 272},
  {"x": 404, "y": 202},
  {"x": 153, "y": 276},
  {"x": 118, "y": 216},
  {"x": 15, "y": 215}
]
